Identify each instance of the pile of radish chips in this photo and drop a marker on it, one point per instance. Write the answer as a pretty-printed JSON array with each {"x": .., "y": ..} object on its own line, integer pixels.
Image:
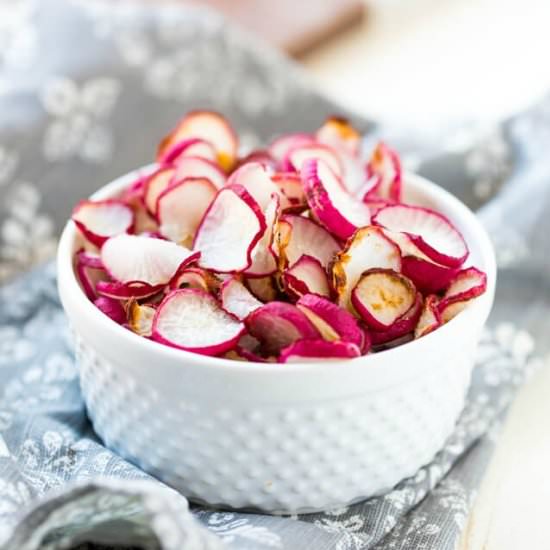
[{"x": 300, "y": 252}]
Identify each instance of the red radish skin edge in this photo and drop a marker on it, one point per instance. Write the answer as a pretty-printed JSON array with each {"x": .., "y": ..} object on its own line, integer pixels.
[
  {"x": 318, "y": 349},
  {"x": 174, "y": 152},
  {"x": 88, "y": 233},
  {"x": 111, "y": 308}
]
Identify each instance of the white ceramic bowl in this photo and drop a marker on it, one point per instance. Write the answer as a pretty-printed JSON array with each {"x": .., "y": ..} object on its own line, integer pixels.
[{"x": 292, "y": 438}]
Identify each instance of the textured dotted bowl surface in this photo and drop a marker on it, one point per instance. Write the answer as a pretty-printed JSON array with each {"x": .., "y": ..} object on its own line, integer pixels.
[{"x": 293, "y": 438}]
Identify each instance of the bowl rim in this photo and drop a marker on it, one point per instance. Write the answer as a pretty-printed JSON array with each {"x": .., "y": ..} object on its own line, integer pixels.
[{"x": 70, "y": 289}]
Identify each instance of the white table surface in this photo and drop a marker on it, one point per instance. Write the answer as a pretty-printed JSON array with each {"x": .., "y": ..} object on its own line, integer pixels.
[{"x": 444, "y": 61}]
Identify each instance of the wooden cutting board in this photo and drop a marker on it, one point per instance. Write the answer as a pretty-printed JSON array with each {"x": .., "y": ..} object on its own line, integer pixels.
[{"x": 295, "y": 26}]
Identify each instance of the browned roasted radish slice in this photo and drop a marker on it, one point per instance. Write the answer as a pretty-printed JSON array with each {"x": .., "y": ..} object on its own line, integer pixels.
[
  {"x": 368, "y": 248},
  {"x": 298, "y": 236},
  {"x": 430, "y": 318},
  {"x": 195, "y": 277},
  {"x": 404, "y": 326},
  {"x": 305, "y": 351},
  {"x": 181, "y": 207},
  {"x": 209, "y": 126},
  {"x": 306, "y": 276},
  {"x": 430, "y": 231},
  {"x": 99, "y": 220},
  {"x": 192, "y": 320},
  {"x": 385, "y": 173},
  {"x": 237, "y": 299},
  {"x": 333, "y": 322},
  {"x": 140, "y": 318},
  {"x": 338, "y": 133},
  {"x": 229, "y": 231},
  {"x": 381, "y": 296},
  {"x": 339, "y": 211},
  {"x": 278, "y": 324},
  {"x": 262, "y": 287},
  {"x": 133, "y": 258}
]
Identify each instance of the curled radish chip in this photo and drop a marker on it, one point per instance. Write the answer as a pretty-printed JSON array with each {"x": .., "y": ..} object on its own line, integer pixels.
[
  {"x": 367, "y": 249},
  {"x": 237, "y": 299},
  {"x": 296, "y": 158},
  {"x": 262, "y": 287},
  {"x": 90, "y": 270},
  {"x": 333, "y": 322},
  {"x": 254, "y": 177},
  {"x": 258, "y": 155},
  {"x": 428, "y": 276},
  {"x": 194, "y": 277},
  {"x": 197, "y": 167},
  {"x": 431, "y": 232},
  {"x": 430, "y": 319},
  {"x": 190, "y": 147},
  {"x": 127, "y": 291},
  {"x": 229, "y": 231},
  {"x": 99, "y": 220},
  {"x": 112, "y": 308},
  {"x": 181, "y": 207},
  {"x": 339, "y": 134},
  {"x": 405, "y": 325},
  {"x": 155, "y": 185},
  {"x": 133, "y": 258},
  {"x": 209, "y": 126},
  {"x": 280, "y": 148},
  {"x": 306, "y": 276},
  {"x": 305, "y": 351},
  {"x": 467, "y": 285},
  {"x": 331, "y": 203},
  {"x": 385, "y": 173},
  {"x": 291, "y": 191},
  {"x": 192, "y": 320},
  {"x": 381, "y": 296},
  {"x": 298, "y": 236},
  {"x": 278, "y": 324},
  {"x": 140, "y": 318},
  {"x": 264, "y": 259}
]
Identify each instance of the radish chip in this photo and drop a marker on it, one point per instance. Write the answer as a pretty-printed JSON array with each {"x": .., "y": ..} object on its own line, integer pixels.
[
  {"x": 229, "y": 231},
  {"x": 192, "y": 320},
  {"x": 90, "y": 270},
  {"x": 467, "y": 285},
  {"x": 197, "y": 167},
  {"x": 237, "y": 299},
  {"x": 404, "y": 325},
  {"x": 339, "y": 134},
  {"x": 306, "y": 276},
  {"x": 333, "y": 206},
  {"x": 194, "y": 277},
  {"x": 280, "y": 148},
  {"x": 112, "y": 308},
  {"x": 430, "y": 231},
  {"x": 255, "y": 178},
  {"x": 290, "y": 189},
  {"x": 368, "y": 248},
  {"x": 191, "y": 147},
  {"x": 430, "y": 318},
  {"x": 181, "y": 207},
  {"x": 278, "y": 324},
  {"x": 305, "y": 351},
  {"x": 298, "y": 236},
  {"x": 296, "y": 158},
  {"x": 99, "y": 220},
  {"x": 140, "y": 318},
  {"x": 262, "y": 287},
  {"x": 381, "y": 296},
  {"x": 333, "y": 322},
  {"x": 155, "y": 185},
  {"x": 133, "y": 258},
  {"x": 208, "y": 126},
  {"x": 385, "y": 174}
]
